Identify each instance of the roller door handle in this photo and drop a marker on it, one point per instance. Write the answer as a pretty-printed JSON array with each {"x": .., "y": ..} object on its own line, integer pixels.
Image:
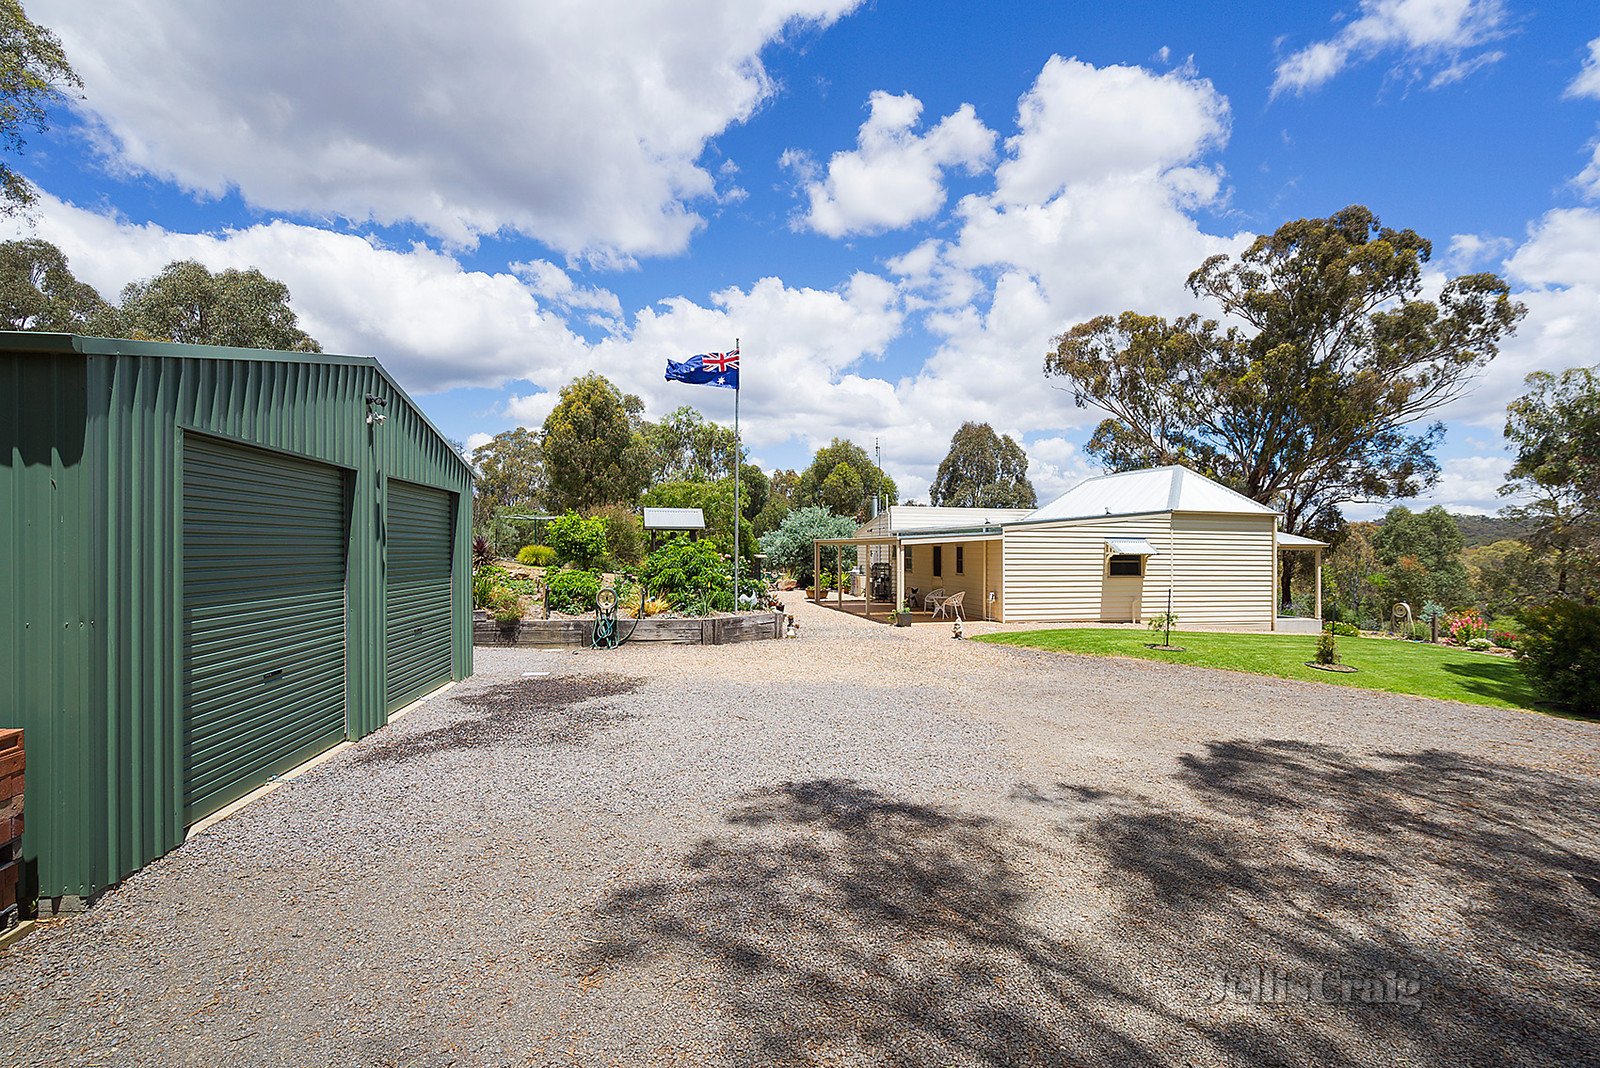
[{"x": 273, "y": 676}]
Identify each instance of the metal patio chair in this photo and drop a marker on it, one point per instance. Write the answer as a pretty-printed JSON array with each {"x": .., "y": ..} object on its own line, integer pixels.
[{"x": 951, "y": 603}]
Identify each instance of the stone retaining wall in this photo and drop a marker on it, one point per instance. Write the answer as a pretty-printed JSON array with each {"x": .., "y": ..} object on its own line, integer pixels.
[{"x": 712, "y": 630}]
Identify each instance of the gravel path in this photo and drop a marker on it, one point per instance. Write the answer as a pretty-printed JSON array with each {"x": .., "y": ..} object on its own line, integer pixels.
[{"x": 866, "y": 846}]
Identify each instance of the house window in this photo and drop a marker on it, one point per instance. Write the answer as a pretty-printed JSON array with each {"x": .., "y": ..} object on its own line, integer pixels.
[
  {"x": 908, "y": 558},
  {"x": 938, "y": 561},
  {"x": 961, "y": 561},
  {"x": 1126, "y": 565}
]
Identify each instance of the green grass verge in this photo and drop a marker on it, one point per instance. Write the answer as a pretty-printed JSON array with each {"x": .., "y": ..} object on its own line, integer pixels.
[{"x": 1380, "y": 663}]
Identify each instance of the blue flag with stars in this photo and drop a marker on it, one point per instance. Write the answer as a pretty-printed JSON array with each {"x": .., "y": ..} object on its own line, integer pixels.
[{"x": 707, "y": 369}]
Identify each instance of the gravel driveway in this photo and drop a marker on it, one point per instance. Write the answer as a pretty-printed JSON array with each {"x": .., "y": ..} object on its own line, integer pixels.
[{"x": 866, "y": 846}]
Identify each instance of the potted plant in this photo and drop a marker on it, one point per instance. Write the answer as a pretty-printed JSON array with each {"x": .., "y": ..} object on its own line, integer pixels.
[{"x": 902, "y": 615}]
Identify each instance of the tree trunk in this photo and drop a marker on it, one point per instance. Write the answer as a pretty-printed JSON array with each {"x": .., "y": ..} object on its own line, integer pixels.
[{"x": 1285, "y": 577}]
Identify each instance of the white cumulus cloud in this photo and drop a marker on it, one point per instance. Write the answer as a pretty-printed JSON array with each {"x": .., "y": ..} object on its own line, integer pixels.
[
  {"x": 580, "y": 124},
  {"x": 1441, "y": 36},
  {"x": 1084, "y": 124},
  {"x": 1588, "y": 179},
  {"x": 1556, "y": 274},
  {"x": 895, "y": 175},
  {"x": 1587, "y": 83},
  {"x": 432, "y": 323}
]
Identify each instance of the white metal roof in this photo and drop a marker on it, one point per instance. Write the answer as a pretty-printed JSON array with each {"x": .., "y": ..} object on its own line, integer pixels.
[
  {"x": 1295, "y": 541},
  {"x": 908, "y": 517},
  {"x": 947, "y": 537},
  {"x": 1156, "y": 489},
  {"x": 674, "y": 519}
]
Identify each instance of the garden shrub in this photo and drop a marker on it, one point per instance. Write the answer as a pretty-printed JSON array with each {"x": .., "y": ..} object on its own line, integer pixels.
[
  {"x": 789, "y": 547},
  {"x": 1463, "y": 627},
  {"x": 1479, "y": 645},
  {"x": 624, "y": 534},
  {"x": 1344, "y": 630},
  {"x": 504, "y": 604},
  {"x": 572, "y": 590},
  {"x": 1506, "y": 639},
  {"x": 484, "y": 582},
  {"x": 577, "y": 541},
  {"x": 1561, "y": 655},
  {"x": 536, "y": 556},
  {"x": 1327, "y": 649},
  {"x": 526, "y": 587},
  {"x": 690, "y": 574}
]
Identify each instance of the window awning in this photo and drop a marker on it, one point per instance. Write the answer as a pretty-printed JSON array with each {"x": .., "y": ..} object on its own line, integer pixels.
[{"x": 1130, "y": 547}]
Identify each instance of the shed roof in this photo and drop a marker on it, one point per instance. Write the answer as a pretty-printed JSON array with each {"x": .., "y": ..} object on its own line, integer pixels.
[
  {"x": 82, "y": 345},
  {"x": 1156, "y": 489},
  {"x": 674, "y": 519}
]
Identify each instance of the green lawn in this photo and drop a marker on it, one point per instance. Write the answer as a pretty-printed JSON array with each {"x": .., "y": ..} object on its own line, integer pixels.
[{"x": 1381, "y": 663}]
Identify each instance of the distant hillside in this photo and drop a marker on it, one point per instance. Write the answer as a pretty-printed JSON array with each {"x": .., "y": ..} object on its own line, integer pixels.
[{"x": 1483, "y": 529}]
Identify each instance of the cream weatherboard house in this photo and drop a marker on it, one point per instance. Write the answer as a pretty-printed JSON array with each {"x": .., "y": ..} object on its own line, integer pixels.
[{"x": 1111, "y": 549}]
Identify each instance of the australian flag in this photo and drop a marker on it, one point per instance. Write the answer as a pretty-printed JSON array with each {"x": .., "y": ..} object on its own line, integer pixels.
[{"x": 707, "y": 369}]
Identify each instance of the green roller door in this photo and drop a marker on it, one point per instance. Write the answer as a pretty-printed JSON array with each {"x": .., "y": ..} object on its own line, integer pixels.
[
  {"x": 418, "y": 591},
  {"x": 263, "y": 617}
]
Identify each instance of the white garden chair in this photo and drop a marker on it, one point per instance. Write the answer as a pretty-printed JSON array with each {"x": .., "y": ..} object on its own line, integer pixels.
[
  {"x": 931, "y": 601},
  {"x": 951, "y": 603}
]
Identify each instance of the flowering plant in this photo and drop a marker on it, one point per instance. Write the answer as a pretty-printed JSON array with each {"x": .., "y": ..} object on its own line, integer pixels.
[{"x": 1465, "y": 626}]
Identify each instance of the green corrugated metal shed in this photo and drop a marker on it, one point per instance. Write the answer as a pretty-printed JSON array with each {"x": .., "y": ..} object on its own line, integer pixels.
[{"x": 111, "y": 619}]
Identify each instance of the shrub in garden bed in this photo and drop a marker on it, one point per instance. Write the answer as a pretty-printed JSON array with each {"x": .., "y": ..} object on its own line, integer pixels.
[
  {"x": 572, "y": 590},
  {"x": 577, "y": 541},
  {"x": 505, "y": 605},
  {"x": 1561, "y": 655},
  {"x": 1506, "y": 639},
  {"x": 692, "y": 575},
  {"x": 1463, "y": 627},
  {"x": 485, "y": 580},
  {"x": 536, "y": 556},
  {"x": 624, "y": 534}
]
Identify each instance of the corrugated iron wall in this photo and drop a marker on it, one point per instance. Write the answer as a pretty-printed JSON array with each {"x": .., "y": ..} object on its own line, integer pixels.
[
  {"x": 105, "y": 718},
  {"x": 52, "y": 562}
]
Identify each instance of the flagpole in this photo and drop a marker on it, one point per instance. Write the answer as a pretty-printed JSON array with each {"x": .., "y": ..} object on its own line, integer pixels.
[{"x": 736, "y": 459}]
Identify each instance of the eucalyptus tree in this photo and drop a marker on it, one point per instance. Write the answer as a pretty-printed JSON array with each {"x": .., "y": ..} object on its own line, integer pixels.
[{"x": 1316, "y": 385}]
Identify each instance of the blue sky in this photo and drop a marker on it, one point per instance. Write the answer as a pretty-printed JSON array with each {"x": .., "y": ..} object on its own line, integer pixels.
[{"x": 895, "y": 205}]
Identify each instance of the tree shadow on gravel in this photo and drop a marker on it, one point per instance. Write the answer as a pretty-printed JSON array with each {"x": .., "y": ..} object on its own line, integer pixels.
[
  {"x": 844, "y": 925},
  {"x": 1466, "y": 875},
  {"x": 559, "y": 710},
  {"x": 852, "y": 927}
]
